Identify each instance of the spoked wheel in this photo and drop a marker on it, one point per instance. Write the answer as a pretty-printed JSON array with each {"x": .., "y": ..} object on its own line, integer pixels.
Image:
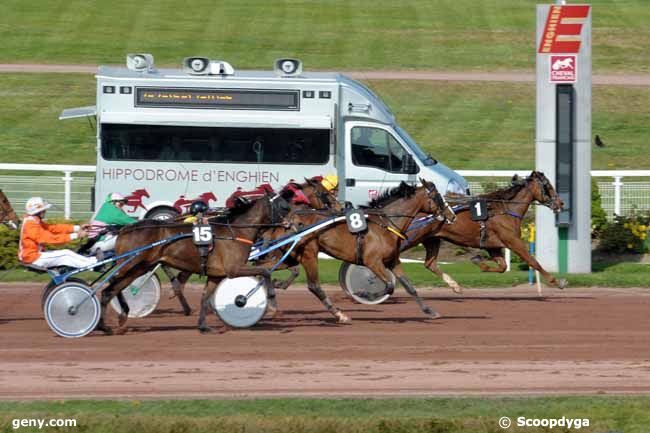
[
  {"x": 71, "y": 309},
  {"x": 51, "y": 285},
  {"x": 232, "y": 306},
  {"x": 362, "y": 284},
  {"x": 142, "y": 296}
]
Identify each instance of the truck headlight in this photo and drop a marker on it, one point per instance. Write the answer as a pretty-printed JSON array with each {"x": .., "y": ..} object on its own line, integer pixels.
[{"x": 454, "y": 187}]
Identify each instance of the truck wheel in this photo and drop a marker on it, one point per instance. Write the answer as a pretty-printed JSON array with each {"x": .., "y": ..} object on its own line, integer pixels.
[{"x": 162, "y": 213}]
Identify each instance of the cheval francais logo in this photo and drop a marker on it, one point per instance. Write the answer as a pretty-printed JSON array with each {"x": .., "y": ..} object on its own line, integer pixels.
[{"x": 564, "y": 69}]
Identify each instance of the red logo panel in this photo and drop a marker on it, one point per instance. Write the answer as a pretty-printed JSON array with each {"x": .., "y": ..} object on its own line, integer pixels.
[
  {"x": 562, "y": 30},
  {"x": 564, "y": 69}
]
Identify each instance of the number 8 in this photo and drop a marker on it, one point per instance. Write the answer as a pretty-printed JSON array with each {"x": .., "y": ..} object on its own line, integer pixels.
[{"x": 355, "y": 221}]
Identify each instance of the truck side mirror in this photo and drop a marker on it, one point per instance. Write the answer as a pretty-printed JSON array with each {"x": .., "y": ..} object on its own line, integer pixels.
[{"x": 408, "y": 165}]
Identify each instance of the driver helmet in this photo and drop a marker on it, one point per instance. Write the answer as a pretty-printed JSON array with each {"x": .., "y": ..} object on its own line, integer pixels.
[
  {"x": 116, "y": 196},
  {"x": 330, "y": 182},
  {"x": 198, "y": 207},
  {"x": 36, "y": 205}
]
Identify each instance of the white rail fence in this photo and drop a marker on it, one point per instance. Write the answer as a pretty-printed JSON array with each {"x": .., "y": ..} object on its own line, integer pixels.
[{"x": 68, "y": 187}]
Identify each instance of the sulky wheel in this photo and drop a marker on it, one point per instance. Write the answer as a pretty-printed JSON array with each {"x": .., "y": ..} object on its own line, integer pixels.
[
  {"x": 71, "y": 309},
  {"x": 142, "y": 295},
  {"x": 232, "y": 306},
  {"x": 362, "y": 284},
  {"x": 52, "y": 285}
]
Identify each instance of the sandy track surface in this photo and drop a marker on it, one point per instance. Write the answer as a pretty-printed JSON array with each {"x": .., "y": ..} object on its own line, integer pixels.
[
  {"x": 580, "y": 341},
  {"x": 524, "y": 77}
]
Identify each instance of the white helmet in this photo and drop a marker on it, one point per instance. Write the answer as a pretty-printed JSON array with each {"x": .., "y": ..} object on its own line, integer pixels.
[
  {"x": 116, "y": 196},
  {"x": 36, "y": 205}
]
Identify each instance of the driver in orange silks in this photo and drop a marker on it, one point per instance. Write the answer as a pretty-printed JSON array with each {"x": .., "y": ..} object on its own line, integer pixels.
[{"x": 34, "y": 233}]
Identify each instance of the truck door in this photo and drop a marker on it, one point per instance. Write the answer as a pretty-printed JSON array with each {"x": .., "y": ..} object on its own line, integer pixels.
[{"x": 376, "y": 160}]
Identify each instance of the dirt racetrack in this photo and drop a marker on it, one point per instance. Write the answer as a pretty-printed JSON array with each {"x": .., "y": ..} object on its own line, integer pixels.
[{"x": 489, "y": 341}]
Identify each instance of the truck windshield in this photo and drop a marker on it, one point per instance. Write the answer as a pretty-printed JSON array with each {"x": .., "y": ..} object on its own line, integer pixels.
[
  {"x": 204, "y": 144},
  {"x": 419, "y": 153}
]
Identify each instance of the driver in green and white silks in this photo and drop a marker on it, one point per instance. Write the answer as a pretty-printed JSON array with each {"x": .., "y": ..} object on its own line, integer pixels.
[{"x": 111, "y": 213}]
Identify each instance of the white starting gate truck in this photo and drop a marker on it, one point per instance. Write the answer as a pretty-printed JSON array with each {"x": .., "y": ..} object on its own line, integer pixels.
[{"x": 167, "y": 137}]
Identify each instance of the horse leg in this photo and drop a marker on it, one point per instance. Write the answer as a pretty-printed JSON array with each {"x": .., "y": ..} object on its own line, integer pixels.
[
  {"x": 410, "y": 288},
  {"x": 432, "y": 246},
  {"x": 107, "y": 295},
  {"x": 309, "y": 263},
  {"x": 496, "y": 255},
  {"x": 178, "y": 283},
  {"x": 208, "y": 291},
  {"x": 115, "y": 289},
  {"x": 518, "y": 246},
  {"x": 124, "y": 315},
  {"x": 283, "y": 285},
  {"x": 272, "y": 307}
]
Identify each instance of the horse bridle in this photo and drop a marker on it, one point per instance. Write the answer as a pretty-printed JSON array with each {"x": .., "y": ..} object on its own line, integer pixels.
[
  {"x": 442, "y": 204},
  {"x": 275, "y": 206},
  {"x": 545, "y": 194}
]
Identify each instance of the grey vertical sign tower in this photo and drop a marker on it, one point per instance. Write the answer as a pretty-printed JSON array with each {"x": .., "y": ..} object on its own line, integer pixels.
[{"x": 563, "y": 134}]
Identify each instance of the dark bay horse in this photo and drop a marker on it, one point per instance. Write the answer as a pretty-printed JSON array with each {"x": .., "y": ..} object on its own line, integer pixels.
[
  {"x": 311, "y": 194},
  {"x": 7, "y": 214},
  {"x": 377, "y": 248},
  {"x": 506, "y": 210},
  {"x": 233, "y": 238}
]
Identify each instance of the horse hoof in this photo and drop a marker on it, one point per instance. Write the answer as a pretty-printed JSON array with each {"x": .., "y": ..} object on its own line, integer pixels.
[
  {"x": 342, "y": 318},
  {"x": 121, "y": 331},
  {"x": 105, "y": 329},
  {"x": 205, "y": 330},
  {"x": 187, "y": 312},
  {"x": 476, "y": 260},
  {"x": 271, "y": 309},
  {"x": 433, "y": 314},
  {"x": 562, "y": 284},
  {"x": 457, "y": 290}
]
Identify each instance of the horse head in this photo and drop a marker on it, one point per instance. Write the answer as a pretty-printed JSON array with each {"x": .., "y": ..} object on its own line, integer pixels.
[
  {"x": 278, "y": 206},
  {"x": 7, "y": 214},
  {"x": 437, "y": 205},
  {"x": 544, "y": 192},
  {"x": 319, "y": 196}
]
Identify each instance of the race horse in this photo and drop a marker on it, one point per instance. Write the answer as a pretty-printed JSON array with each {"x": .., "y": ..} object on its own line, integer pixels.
[
  {"x": 377, "y": 248},
  {"x": 501, "y": 229},
  {"x": 233, "y": 237},
  {"x": 7, "y": 214},
  {"x": 311, "y": 194}
]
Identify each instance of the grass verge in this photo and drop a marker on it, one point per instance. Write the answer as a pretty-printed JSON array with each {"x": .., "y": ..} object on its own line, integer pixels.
[
  {"x": 465, "y": 125},
  {"x": 365, "y": 34},
  {"x": 431, "y": 415}
]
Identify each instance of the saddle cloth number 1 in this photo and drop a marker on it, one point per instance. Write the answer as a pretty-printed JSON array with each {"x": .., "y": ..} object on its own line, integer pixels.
[
  {"x": 202, "y": 234},
  {"x": 356, "y": 221},
  {"x": 479, "y": 210}
]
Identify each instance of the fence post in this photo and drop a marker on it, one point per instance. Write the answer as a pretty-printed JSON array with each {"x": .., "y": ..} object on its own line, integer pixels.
[
  {"x": 617, "y": 194},
  {"x": 67, "y": 182}
]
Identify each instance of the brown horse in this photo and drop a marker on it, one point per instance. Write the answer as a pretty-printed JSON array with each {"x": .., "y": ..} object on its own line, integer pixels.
[
  {"x": 377, "y": 248},
  {"x": 311, "y": 194},
  {"x": 7, "y": 214},
  {"x": 502, "y": 229},
  {"x": 233, "y": 237}
]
